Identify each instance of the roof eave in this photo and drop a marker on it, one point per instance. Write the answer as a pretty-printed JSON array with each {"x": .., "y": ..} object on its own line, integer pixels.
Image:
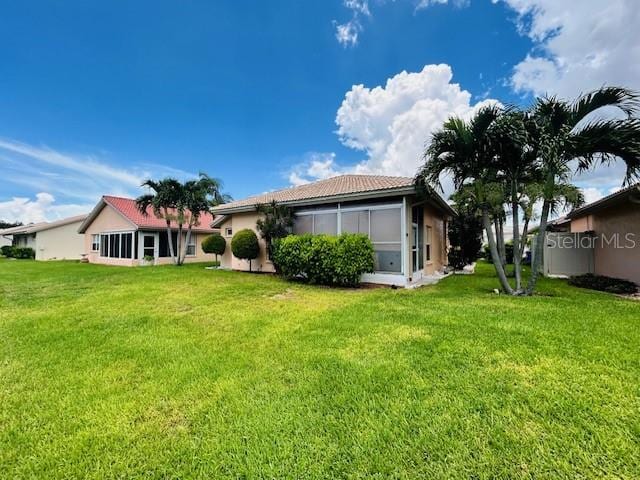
[{"x": 387, "y": 192}]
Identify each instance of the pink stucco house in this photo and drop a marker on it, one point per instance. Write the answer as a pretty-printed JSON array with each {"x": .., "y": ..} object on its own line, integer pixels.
[
  {"x": 117, "y": 233},
  {"x": 602, "y": 237}
]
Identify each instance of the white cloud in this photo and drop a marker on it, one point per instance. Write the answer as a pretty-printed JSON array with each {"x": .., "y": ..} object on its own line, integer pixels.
[
  {"x": 42, "y": 208},
  {"x": 315, "y": 166},
  {"x": 393, "y": 123},
  {"x": 347, "y": 33},
  {"x": 591, "y": 194},
  {"x": 578, "y": 45},
  {"x": 76, "y": 181}
]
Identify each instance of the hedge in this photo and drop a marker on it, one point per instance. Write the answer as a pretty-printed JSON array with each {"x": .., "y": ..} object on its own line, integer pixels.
[
  {"x": 603, "y": 284},
  {"x": 323, "y": 259},
  {"x": 18, "y": 252},
  {"x": 214, "y": 244}
]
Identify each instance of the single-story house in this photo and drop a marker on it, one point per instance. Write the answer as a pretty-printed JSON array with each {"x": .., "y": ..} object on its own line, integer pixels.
[
  {"x": 408, "y": 231},
  {"x": 602, "y": 237},
  {"x": 117, "y": 233},
  {"x": 58, "y": 240}
]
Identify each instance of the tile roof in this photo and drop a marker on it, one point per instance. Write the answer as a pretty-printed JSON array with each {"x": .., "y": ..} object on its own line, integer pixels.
[
  {"x": 331, "y": 187},
  {"x": 127, "y": 208}
]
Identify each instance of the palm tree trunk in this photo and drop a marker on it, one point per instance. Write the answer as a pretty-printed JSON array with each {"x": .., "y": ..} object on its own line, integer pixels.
[
  {"x": 495, "y": 256},
  {"x": 170, "y": 241},
  {"x": 540, "y": 241},
  {"x": 186, "y": 243},
  {"x": 179, "y": 242},
  {"x": 523, "y": 238},
  {"x": 517, "y": 258},
  {"x": 500, "y": 241}
]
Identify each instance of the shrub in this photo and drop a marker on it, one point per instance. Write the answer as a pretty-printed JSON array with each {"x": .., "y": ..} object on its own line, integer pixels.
[
  {"x": 244, "y": 245},
  {"x": 603, "y": 284},
  {"x": 24, "y": 253},
  {"x": 6, "y": 250},
  {"x": 465, "y": 236},
  {"x": 324, "y": 259},
  {"x": 215, "y": 244}
]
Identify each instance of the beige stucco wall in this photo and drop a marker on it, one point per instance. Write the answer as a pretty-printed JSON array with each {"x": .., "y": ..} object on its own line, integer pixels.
[
  {"x": 60, "y": 243},
  {"x": 617, "y": 249},
  {"x": 237, "y": 222},
  {"x": 434, "y": 219},
  {"x": 108, "y": 220}
]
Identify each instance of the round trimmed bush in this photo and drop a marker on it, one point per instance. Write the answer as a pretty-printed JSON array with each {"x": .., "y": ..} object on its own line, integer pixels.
[
  {"x": 214, "y": 244},
  {"x": 245, "y": 246}
]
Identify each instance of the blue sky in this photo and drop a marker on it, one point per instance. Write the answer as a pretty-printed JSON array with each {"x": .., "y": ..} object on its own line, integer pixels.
[{"x": 95, "y": 96}]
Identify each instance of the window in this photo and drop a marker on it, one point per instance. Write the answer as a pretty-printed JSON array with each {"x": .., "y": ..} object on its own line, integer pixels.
[
  {"x": 191, "y": 246},
  {"x": 114, "y": 245},
  {"x": 228, "y": 232},
  {"x": 163, "y": 244},
  {"x": 325, "y": 223},
  {"x": 355, "y": 222},
  {"x": 303, "y": 224},
  {"x": 95, "y": 243},
  {"x": 427, "y": 243},
  {"x": 316, "y": 223},
  {"x": 386, "y": 236},
  {"x": 381, "y": 223}
]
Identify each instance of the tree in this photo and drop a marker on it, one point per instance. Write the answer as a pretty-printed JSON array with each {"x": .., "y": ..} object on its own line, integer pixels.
[
  {"x": 465, "y": 230},
  {"x": 467, "y": 152},
  {"x": 568, "y": 135},
  {"x": 198, "y": 197},
  {"x": 214, "y": 244},
  {"x": 182, "y": 204},
  {"x": 4, "y": 224},
  {"x": 277, "y": 222},
  {"x": 244, "y": 245},
  {"x": 163, "y": 202}
]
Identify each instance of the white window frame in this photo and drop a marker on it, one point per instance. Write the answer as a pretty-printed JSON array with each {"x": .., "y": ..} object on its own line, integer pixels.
[
  {"x": 228, "y": 232},
  {"x": 192, "y": 243},
  {"x": 120, "y": 234},
  {"x": 428, "y": 241},
  {"x": 95, "y": 244}
]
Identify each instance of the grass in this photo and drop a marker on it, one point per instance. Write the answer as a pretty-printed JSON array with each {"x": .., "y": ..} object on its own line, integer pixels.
[{"x": 168, "y": 372}]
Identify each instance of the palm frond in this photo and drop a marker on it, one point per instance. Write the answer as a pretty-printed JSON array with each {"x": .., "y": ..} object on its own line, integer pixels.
[{"x": 626, "y": 100}]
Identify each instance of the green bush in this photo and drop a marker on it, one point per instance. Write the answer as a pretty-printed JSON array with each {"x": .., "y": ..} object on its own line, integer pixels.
[
  {"x": 603, "y": 284},
  {"x": 24, "y": 253},
  {"x": 324, "y": 259},
  {"x": 244, "y": 245},
  {"x": 6, "y": 250},
  {"x": 215, "y": 244}
]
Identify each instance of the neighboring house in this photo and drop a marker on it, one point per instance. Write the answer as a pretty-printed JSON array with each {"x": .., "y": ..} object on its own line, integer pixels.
[
  {"x": 602, "y": 238},
  {"x": 57, "y": 240},
  {"x": 408, "y": 231},
  {"x": 117, "y": 233}
]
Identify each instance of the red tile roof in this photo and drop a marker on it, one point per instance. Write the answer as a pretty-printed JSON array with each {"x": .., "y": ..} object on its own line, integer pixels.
[{"x": 127, "y": 208}]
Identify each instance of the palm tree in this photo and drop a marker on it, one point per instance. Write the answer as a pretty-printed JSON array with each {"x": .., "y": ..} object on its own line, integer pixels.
[
  {"x": 467, "y": 152},
  {"x": 163, "y": 201},
  {"x": 198, "y": 197},
  {"x": 182, "y": 203},
  {"x": 277, "y": 222},
  {"x": 565, "y": 135}
]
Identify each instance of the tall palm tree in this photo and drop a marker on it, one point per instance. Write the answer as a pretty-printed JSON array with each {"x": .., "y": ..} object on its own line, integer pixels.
[
  {"x": 163, "y": 201},
  {"x": 466, "y": 151},
  {"x": 198, "y": 197},
  {"x": 566, "y": 133},
  {"x": 182, "y": 203}
]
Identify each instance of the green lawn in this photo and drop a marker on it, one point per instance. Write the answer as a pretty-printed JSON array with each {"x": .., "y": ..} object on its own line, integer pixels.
[{"x": 168, "y": 372}]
